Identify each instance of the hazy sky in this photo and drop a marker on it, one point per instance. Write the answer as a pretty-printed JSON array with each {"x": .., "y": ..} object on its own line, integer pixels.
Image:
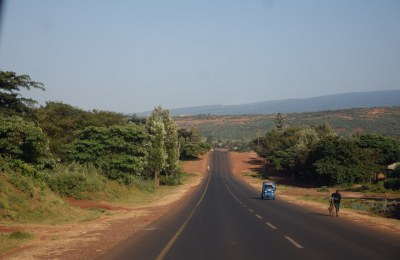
[{"x": 129, "y": 56}]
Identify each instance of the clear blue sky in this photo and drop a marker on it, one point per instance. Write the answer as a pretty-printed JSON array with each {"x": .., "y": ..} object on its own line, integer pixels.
[{"x": 129, "y": 56}]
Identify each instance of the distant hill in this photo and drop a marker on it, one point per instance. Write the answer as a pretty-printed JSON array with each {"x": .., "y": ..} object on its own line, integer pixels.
[
  {"x": 384, "y": 98},
  {"x": 380, "y": 120}
]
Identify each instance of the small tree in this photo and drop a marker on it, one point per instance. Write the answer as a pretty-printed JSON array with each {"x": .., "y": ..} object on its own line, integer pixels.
[{"x": 279, "y": 121}]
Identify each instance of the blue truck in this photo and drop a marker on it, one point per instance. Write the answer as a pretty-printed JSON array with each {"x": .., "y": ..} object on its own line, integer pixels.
[{"x": 268, "y": 190}]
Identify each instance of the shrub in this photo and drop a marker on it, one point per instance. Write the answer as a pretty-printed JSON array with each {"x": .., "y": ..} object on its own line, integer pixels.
[
  {"x": 323, "y": 189},
  {"x": 141, "y": 183},
  {"x": 67, "y": 184},
  {"x": 94, "y": 182},
  {"x": 22, "y": 183},
  {"x": 20, "y": 235},
  {"x": 393, "y": 184},
  {"x": 73, "y": 179},
  {"x": 170, "y": 180}
]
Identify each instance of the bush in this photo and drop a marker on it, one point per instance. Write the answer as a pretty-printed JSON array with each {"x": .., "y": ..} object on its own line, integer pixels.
[
  {"x": 22, "y": 183},
  {"x": 73, "y": 179},
  {"x": 393, "y": 184},
  {"x": 170, "y": 180},
  {"x": 141, "y": 183},
  {"x": 94, "y": 183},
  {"x": 67, "y": 184},
  {"x": 323, "y": 189},
  {"x": 20, "y": 235}
]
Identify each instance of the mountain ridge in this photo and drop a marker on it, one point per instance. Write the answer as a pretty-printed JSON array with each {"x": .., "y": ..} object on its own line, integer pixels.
[{"x": 382, "y": 98}]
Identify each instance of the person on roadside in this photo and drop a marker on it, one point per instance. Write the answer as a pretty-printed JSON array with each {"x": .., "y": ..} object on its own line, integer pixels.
[{"x": 336, "y": 197}]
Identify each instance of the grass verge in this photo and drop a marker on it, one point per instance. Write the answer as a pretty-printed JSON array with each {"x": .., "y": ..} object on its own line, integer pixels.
[{"x": 13, "y": 240}]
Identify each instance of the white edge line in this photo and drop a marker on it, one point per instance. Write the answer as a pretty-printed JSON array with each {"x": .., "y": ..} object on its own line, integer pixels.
[
  {"x": 271, "y": 226},
  {"x": 172, "y": 241},
  {"x": 293, "y": 242}
]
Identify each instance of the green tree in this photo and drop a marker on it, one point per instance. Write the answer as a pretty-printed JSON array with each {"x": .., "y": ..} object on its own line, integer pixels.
[
  {"x": 338, "y": 160},
  {"x": 279, "y": 121},
  {"x": 191, "y": 144},
  {"x": 157, "y": 160},
  {"x": 385, "y": 149},
  {"x": 11, "y": 101},
  {"x": 171, "y": 144},
  {"x": 119, "y": 151},
  {"x": 22, "y": 140},
  {"x": 59, "y": 121}
]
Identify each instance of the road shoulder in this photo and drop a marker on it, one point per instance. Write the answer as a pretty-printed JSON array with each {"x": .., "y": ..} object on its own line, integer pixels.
[
  {"x": 246, "y": 166},
  {"x": 91, "y": 239}
]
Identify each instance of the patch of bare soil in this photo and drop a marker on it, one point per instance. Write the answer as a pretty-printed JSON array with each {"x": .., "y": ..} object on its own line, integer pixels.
[
  {"x": 90, "y": 239},
  {"x": 245, "y": 164},
  {"x": 376, "y": 112}
]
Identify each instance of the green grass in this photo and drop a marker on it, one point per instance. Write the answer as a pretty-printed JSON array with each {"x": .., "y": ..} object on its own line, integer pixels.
[
  {"x": 20, "y": 235},
  {"x": 133, "y": 196},
  {"x": 47, "y": 207},
  {"x": 40, "y": 206},
  {"x": 13, "y": 240}
]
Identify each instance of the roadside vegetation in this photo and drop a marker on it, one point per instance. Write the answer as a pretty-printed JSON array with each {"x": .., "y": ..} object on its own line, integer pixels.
[
  {"x": 319, "y": 158},
  {"x": 317, "y": 155},
  {"x": 58, "y": 151}
]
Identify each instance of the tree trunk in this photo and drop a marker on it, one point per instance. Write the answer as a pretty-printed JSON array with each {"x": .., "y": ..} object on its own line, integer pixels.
[{"x": 156, "y": 179}]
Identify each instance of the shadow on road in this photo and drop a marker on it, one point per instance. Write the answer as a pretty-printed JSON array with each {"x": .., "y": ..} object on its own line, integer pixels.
[{"x": 320, "y": 214}]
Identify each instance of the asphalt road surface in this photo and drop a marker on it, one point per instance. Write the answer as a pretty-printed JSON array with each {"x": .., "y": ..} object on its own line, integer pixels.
[{"x": 225, "y": 219}]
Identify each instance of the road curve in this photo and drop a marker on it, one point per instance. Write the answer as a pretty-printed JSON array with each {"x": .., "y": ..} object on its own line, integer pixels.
[{"x": 225, "y": 219}]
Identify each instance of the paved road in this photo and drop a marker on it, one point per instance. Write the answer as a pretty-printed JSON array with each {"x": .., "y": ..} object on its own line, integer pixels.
[{"x": 225, "y": 219}]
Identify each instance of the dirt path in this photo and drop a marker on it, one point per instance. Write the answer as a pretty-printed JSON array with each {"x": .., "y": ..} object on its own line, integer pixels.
[
  {"x": 247, "y": 164},
  {"x": 90, "y": 239}
]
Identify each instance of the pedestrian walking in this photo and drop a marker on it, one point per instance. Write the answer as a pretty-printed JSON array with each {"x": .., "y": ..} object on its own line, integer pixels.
[{"x": 336, "y": 197}]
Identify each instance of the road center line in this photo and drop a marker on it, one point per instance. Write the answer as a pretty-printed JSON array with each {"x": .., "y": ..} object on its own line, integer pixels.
[
  {"x": 258, "y": 216},
  {"x": 172, "y": 241},
  {"x": 291, "y": 240},
  {"x": 251, "y": 210},
  {"x": 271, "y": 226}
]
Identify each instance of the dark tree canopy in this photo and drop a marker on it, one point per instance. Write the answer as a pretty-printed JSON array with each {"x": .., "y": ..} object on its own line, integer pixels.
[{"x": 11, "y": 101}]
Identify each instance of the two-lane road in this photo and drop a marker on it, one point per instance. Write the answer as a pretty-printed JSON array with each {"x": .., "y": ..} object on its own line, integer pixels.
[{"x": 226, "y": 219}]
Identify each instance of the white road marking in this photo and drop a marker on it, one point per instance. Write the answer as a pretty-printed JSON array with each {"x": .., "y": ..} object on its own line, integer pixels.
[
  {"x": 271, "y": 226},
  {"x": 172, "y": 241},
  {"x": 251, "y": 210},
  {"x": 291, "y": 240},
  {"x": 258, "y": 216}
]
